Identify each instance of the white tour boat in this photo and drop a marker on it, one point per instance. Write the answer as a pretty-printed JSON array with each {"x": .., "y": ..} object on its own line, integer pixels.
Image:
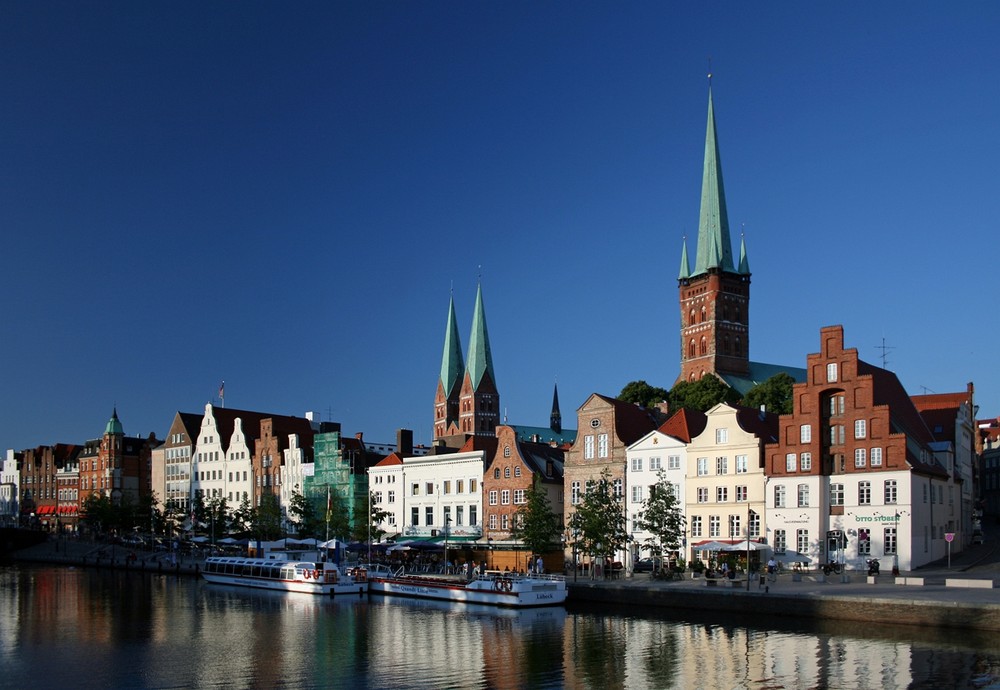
[
  {"x": 494, "y": 588},
  {"x": 279, "y": 572}
]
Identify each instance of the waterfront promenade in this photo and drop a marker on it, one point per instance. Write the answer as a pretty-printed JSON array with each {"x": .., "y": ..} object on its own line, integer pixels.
[{"x": 964, "y": 596}]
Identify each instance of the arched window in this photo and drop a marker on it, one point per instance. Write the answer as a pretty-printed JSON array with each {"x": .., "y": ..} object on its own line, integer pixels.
[
  {"x": 704, "y": 346},
  {"x": 691, "y": 318},
  {"x": 691, "y": 348},
  {"x": 703, "y": 314},
  {"x": 725, "y": 345},
  {"x": 739, "y": 346}
]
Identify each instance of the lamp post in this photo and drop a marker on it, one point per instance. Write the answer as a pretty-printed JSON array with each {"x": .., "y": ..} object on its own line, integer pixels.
[
  {"x": 489, "y": 556},
  {"x": 576, "y": 568},
  {"x": 447, "y": 524}
]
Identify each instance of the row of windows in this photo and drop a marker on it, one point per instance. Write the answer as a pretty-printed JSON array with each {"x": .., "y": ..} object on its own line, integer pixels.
[
  {"x": 889, "y": 493},
  {"x": 637, "y": 491},
  {"x": 722, "y": 494},
  {"x": 458, "y": 521},
  {"x": 734, "y": 526},
  {"x": 602, "y": 446},
  {"x": 506, "y": 472},
  {"x": 656, "y": 464},
  {"x": 504, "y": 521},
  {"x": 445, "y": 487},
  {"x": 863, "y": 545},
  {"x": 576, "y": 495},
  {"x": 722, "y": 465},
  {"x": 504, "y": 496}
]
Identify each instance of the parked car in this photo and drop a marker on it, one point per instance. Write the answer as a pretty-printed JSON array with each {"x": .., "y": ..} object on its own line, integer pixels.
[{"x": 644, "y": 565}]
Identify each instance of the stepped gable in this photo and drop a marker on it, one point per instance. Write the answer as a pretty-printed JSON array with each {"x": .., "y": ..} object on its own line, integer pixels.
[
  {"x": 281, "y": 427},
  {"x": 684, "y": 425}
]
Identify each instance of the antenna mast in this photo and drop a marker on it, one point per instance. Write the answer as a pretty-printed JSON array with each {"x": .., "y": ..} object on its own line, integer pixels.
[{"x": 885, "y": 353}]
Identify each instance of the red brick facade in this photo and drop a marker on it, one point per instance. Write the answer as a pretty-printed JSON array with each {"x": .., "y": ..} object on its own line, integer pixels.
[{"x": 715, "y": 325}]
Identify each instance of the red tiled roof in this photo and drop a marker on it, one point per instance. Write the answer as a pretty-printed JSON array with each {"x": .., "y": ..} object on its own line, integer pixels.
[
  {"x": 392, "y": 459},
  {"x": 684, "y": 425}
]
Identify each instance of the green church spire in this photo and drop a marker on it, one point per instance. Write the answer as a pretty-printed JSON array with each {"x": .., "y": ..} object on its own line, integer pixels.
[
  {"x": 480, "y": 358},
  {"x": 744, "y": 261},
  {"x": 451, "y": 360},
  {"x": 685, "y": 271},
  {"x": 714, "y": 246}
]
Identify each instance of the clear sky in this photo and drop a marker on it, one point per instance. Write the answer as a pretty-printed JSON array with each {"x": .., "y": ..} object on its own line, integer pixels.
[{"x": 283, "y": 195}]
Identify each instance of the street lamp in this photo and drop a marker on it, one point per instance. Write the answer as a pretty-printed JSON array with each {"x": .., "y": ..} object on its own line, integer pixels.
[
  {"x": 489, "y": 556},
  {"x": 447, "y": 523},
  {"x": 576, "y": 535}
]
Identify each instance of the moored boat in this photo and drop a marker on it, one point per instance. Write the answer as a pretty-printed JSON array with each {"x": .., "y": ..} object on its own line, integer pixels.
[
  {"x": 496, "y": 589},
  {"x": 287, "y": 575}
]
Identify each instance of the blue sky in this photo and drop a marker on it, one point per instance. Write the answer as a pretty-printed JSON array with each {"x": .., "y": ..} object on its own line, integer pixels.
[{"x": 283, "y": 195}]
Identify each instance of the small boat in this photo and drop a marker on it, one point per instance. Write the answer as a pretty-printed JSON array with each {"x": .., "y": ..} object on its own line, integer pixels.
[
  {"x": 285, "y": 574},
  {"x": 494, "y": 588}
]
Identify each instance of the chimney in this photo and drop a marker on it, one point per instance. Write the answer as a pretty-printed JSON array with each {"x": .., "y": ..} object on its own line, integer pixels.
[{"x": 404, "y": 442}]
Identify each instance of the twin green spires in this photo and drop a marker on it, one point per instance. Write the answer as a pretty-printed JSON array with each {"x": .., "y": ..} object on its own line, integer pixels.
[
  {"x": 480, "y": 357},
  {"x": 714, "y": 249}
]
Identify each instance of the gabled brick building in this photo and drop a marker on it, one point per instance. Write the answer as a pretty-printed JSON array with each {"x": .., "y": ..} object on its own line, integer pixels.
[{"x": 853, "y": 473}]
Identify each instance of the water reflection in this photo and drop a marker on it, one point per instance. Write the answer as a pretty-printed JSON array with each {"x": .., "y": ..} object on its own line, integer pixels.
[{"x": 85, "y": 627}]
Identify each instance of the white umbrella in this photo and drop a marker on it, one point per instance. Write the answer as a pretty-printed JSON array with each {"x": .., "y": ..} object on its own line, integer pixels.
[
  {"x": 746, "y": 546},
  {"x": 710, "y": 546}
]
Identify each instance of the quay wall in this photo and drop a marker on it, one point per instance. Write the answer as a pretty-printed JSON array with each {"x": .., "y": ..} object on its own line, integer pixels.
[{"x": 845, "y": 608}]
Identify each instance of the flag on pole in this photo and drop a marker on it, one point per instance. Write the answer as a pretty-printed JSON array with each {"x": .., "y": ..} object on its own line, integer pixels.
[
  {"x": 329, "y": 505},
  {"x": 222, "y": 393}
]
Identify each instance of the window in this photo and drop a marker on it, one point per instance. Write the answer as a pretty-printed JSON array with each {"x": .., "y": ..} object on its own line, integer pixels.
[
  {"x": 415, "y": 516},
  {"x": 636, "y": 494},
  {"x": 415, "y": 490},
  {"x": 447, "y": 487},
  {"x": 734, "y": 526},
  {"x": 618, "y": 488},
  {"x": 831, "y": 372},
  {"x": 802, "y": 540},
  {"x": 889, "y": 535},
  {"x": 836, "y": 405},
  {"x": 741, "y": 464},
  {"x": 505, "y": 522},
  {"x": 392, "y": 497},
  {"x": 876, "y": 457},
  {"x": 721, "y": 436},
  {"x": 836, "y": 494},
  {"x": 779, "y": 541},
  {"x": 429, "y": 488},
  {"x": 754, "y": 524},
  {"x": 505, "y": 497},
  {"x": 702, "y": 494},
  {"x": 493, "y": 497},
  {"x": 637, "y": 464},
  {"x": 574, "y": 493},
  {"x": 460, "y": 486},
  {"x": 696, "y": 526},
  {"x": 506, "y": 451},
  {"x": 459, "y": 515},
  {"x": 602, "y": 446},
  {"x": 493, "y": 521},
  {"x": 805, "y": 433},
  {"x": 721, "y": 494},
  {"x": 791, "y": 462},
  {"x": 779, "y": 496},
  {"x": 429, "y": 515},
  {"x": 837, "y": 435},
  {"x": 702, "y": 467},
  {"x": 674, "y": 462},
  {"x": 506, "y": 473},
  {"x": 472, "y": 515},
  {"x": 713, "y": 526},
  {"x": 588, "y": 447},
  {"x": 864, "y": 542},
  {"x": 864, "y": 493},
  {"x": 741, "y": 494},
  {"x": 890, "y": 490},
  {"x": 925, "y": 492},
  {"x": 860, "y": 457},
  {"x": 519, "y": 496},
  {"x": 803, "y": 494},
  {"x": 654, "y": 464},
  {"x": 721, "y": 465},
  {"x": 517, "y": 471},
  {"x": 860, "y": 428},
  {"x": 496, "y": 473}
]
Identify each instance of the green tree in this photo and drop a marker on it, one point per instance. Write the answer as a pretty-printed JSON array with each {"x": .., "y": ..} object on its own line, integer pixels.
[
  {"x": 599, "y": 519},
  {"x": 307, "y": 517},
  {"x": 641, "y": 393},
  {"x": 661, "y": 516},
  {"x": 217, "y": 517},
  {"x": 173, "y": 517},
  {"x": 701, "y": 395},
  {"x": 367, "y": 519},
  {"x": 267, "y": 518},
  {"x": 535, "y": 524},
  {"x": 199, "y": 512},
  {"x": 243, "y": 518},
  {"x": 775, "y": 394},
  {"x": 99, "y": 514},
  {"x": 149, "y": 514}
]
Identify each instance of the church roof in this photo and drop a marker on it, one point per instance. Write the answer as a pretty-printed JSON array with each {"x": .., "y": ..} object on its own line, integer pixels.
[
  {"x": 714, "y": 246},
  {"x": 543, "y": 434},
  {"x": 480, "y": 359},
  {"x": 759, "y": 373}
]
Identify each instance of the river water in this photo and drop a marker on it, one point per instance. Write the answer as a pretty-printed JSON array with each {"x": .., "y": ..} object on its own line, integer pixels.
[{"x": 64, "y": 627}]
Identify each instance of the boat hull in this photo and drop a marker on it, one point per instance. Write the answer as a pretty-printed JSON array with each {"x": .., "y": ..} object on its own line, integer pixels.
[
  {"x": 279, "y": 575},
  {"x": 508, "y": 592},
  {"x": 321, "y": 588}
]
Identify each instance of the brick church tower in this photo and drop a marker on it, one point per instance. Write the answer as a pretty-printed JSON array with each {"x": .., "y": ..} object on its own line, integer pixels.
[
  {"x": 467, "y": 401},
  {"x": 715, "y": 296}
]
